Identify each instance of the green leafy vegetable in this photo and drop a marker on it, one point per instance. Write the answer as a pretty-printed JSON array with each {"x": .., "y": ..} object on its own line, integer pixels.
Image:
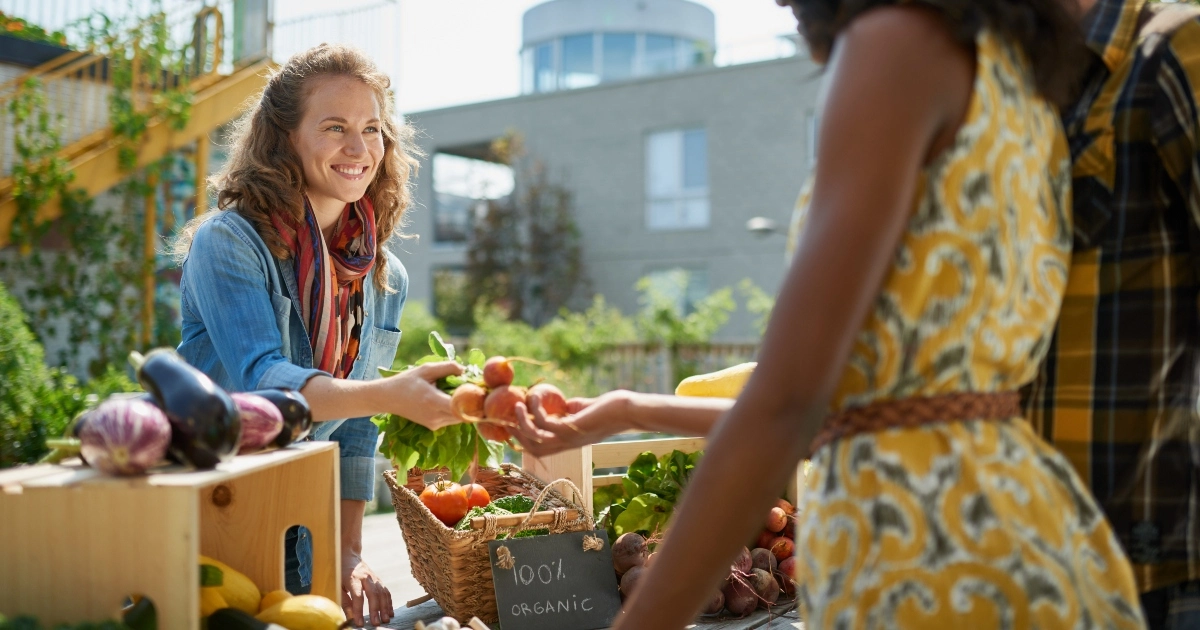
[
  {"x": 648, "y": 492},
  {"x": 455, "y": 447},
  {"x": 515, "y": 504}
]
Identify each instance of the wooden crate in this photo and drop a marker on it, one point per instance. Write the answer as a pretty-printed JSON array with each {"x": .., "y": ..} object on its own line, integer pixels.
[{"x": 75, "y": 543}]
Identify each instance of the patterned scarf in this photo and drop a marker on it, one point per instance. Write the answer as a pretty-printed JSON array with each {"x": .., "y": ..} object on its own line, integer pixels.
[{"x": 330, "y": 278}]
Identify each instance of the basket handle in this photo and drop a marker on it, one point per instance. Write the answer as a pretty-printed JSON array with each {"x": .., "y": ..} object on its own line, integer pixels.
[{"x": 557, "y": 516}]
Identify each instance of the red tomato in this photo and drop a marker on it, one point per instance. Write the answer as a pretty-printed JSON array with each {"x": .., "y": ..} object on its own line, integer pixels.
[
  {"x": 477, "y": 495},
  {"x": 446, "y": 500}
]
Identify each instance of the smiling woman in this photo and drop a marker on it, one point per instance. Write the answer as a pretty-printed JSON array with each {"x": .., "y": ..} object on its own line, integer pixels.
[{"x": 291, "y": 286}]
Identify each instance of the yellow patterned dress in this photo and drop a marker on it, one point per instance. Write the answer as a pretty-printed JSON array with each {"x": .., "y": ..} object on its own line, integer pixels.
[{"x": 974, "y": 524}]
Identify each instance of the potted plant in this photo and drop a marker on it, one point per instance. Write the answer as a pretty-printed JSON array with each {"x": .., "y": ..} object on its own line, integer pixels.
[{"x": 26, "y": 44}]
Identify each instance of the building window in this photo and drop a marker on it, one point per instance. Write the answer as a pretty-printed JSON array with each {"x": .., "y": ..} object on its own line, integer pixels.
[
  {"x": 677, "y": 180},
  {"x": 681, "y": 288},
  {"x": 619, "y": 51},
  {"x": 579, "y": 62},
  {"x": 462, "y": 188},
  {"x": 543, "y": 68},
  {"x": 661, "y": 54}
]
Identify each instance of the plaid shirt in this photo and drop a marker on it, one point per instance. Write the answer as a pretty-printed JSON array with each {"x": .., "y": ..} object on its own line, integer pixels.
[{"x": 1118, "y": 393}]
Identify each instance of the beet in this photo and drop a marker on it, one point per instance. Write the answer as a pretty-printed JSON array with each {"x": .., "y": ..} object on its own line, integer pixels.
[
  {"x": 551, "y": 398},
  {"x": 500, "y": 404},
  {"x": 124, "y": 436},
  {"x": 497, "y": 372},
  {"x": 776, "y": 520},
  {"x": 467, "y": 402},
  {"x": 763, "y": 559},
  {"x": 787, "y": 576},
  {"x": 783, "y": 548},
  {"x": 650, "y": 558},
  {"x": 630, "y": 580},
  {"x": 716, "y": 603},
  {"x": 261, "y": 421},
  {"x": 742, "y": 563},
  {"x": 739, "y": 596},
  {"x": 765, "y": 539},
  {"x": 628, "y": 552},
  {"x": 787, "y": 507},
  {"x": 765, "y": 587}
]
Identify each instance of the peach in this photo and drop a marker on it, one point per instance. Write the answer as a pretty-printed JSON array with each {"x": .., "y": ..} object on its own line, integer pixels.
[
  {"x": 467, "y": 402},
  {"x": 553, "y": 402},
  {"x": 497, "y": 371},
  {"x": 500, "y": 404}
]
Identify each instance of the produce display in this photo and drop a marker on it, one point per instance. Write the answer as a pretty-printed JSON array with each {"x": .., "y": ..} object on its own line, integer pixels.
[
  {"x": 484, "y": 397},
  {"x": 231, "y": 601},
  {"x": 184, "y": 417},
  {"x": 637, "y": 519}
]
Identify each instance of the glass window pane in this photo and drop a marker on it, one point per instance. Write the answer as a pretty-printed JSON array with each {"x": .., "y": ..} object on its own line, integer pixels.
[
  {"x": 543, "y": 62},
  {"x": 663, "y": 164},
  {"x": 619, "y": 50},
  {"x": 527, "y": 71},
  {"x": 694, "y": 213},
  {"x": 695, "y": 159},
  {"x": 579, "y": 67},
  {"x": 660, "y": 54}
]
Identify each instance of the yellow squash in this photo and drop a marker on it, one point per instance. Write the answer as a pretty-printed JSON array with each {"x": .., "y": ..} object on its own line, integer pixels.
[
  {"x": 272, "y": 598},
  {"x": 211, "y": 601},
  {"x": 727, "y": 383},
  {"x": 305, "y": 612},
  {"x": 239, "y": 592}
]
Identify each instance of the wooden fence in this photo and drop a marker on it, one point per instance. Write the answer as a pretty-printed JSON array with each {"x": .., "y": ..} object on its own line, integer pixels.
[{"x": 657, "y": 369}]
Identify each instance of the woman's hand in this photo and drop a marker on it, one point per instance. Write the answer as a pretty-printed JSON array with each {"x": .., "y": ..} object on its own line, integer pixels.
[
  {"x": 413, "y": 395},
  {"x": 592, "y": 420}
]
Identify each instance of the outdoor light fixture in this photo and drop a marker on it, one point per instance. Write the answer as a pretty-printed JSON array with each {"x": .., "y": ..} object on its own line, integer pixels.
[{"x": 762, "y": 226}]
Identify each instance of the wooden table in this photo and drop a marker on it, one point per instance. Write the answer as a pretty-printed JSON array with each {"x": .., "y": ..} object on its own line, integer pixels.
[{"x": 779, "y": 618}]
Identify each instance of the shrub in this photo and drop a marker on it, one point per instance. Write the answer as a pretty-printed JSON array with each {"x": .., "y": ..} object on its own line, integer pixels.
[{"x": 36, "y": 401}]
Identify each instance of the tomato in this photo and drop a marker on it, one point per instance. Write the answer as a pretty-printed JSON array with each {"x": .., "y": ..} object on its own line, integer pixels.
[
  {"x": 493, "y": 432},
  {"x": 446, "y": 500},
  {"x": 477, "y": 495}
]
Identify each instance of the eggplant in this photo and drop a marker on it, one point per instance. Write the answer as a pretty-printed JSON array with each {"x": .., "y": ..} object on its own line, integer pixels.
[
  {"x": 124, "y": 436},
  {"x": 205, "y": 426},
  {"x": 261, "y": 421},
  {"x": 297, "y": 417}
]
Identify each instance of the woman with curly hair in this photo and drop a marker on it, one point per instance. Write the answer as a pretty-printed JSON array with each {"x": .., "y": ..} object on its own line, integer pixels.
[
  {"x": 290, "y": 285},
  {"x": 928, "y": 272}
]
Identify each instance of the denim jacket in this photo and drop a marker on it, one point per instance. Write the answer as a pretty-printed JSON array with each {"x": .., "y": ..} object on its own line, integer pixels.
[{"x": 242, "y": 327}]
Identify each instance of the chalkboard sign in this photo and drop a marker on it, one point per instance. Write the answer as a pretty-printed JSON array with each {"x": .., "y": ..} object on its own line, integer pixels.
[{"x": 552, "y": 582}]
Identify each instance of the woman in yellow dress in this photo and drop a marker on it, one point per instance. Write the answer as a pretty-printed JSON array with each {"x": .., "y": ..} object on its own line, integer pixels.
[{"x": 923, "y": 292}]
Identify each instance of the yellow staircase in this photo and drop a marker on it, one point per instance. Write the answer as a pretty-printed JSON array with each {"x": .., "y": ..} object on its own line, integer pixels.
[{"x": 77, "y": 88}]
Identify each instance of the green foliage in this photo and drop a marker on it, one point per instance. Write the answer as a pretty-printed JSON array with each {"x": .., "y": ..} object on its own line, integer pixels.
[
  {"x": 416, "y": 322},
  {"x": 758, "y": 302},
  {"x": 661, "y": 319},
  {"x": 647, "y": 495},
  {"x": 38, "y": 402},
  {"x": 16, "y": 27},
  {"x": 410, "y": 445},
  {"x": 525, "y": 253},
  {"x": 93, "y": 279},
  {"x": 575, "y": 339}
]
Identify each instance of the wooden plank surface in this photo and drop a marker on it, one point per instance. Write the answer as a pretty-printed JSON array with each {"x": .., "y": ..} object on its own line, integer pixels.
[
  {"x": 620, "y": 454},
  {"x": 781, "y": 618}
]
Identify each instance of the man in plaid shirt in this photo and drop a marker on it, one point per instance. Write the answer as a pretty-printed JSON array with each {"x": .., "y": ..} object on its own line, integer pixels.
[{"x": 1119, "y": 392}]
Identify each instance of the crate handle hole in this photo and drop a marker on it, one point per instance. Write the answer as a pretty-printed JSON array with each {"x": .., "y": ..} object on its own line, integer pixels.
[
  {"x": 139, "y": 613},
  {"x": 296, "y": 536}
]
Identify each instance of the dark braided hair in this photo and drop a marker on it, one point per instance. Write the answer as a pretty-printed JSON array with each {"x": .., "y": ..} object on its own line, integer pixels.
[{"x": 1044, "y": 29}]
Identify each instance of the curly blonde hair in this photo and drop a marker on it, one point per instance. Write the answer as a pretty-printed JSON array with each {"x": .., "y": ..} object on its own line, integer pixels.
[{"x": 264, "y": 175}]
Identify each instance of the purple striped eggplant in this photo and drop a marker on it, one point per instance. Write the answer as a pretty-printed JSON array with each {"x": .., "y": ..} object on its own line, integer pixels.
[
  {"x": 261, "y": 421},
  {"x": 297, "y": 417},
  {"x": 124, "y": 436}
]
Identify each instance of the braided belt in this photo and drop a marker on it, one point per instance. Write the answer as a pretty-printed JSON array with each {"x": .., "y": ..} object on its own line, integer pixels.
[{"x": 913, "y": 412}]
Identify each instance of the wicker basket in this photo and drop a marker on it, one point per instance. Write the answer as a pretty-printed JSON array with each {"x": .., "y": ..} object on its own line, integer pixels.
[{"x": 453, "y": 566}]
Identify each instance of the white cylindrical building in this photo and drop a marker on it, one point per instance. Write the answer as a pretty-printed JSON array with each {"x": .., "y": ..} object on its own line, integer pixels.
[{"x": 570, "y": 44}]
